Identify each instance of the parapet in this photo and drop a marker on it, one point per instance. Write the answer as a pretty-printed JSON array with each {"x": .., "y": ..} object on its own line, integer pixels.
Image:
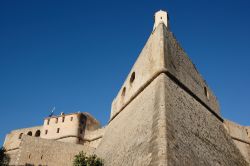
[{"x": 13, "y": 139}]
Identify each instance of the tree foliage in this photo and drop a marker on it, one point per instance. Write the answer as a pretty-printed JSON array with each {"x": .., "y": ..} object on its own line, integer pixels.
[
  {"x": 82, "y": 159},
  {"x": 4, "y": 158}
]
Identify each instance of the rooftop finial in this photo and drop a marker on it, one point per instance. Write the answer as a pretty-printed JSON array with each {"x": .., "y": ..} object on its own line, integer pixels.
[{"x": 161, "y": 17}]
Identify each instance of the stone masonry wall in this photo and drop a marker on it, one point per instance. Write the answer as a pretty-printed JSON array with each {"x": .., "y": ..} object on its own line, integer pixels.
[
  {"x": 129, "y": 138},
  {"x": 12, "y": 140},
  {"x": 194, "y": 135},
  {"x": 38, "y": 151},
  {"x": 240, "y": 137},
  {"x": 181, "y": 67},
  {"x": 93, "y": 138}
]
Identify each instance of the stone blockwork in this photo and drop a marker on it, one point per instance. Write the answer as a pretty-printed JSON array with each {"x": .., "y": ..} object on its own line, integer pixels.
[
  {"x": 181, "y": 67},
  {"x": 194, "y": 135},
  {"x": 38, "y": 151},
  {"x": 163, "y": 54},
  {"x": 93, "y": 138},
  {"x": 169, "y": 128},
  {"x": 164, "y": 114},
  {"x": 13, "y": 139},
  {"x": 132, "y": 136},
  {"x": 70, "y": 128},
  {"x": 147, "y": 66},
  {"x": 240, "y": 136},
  {"x": 186, "y": 127}
]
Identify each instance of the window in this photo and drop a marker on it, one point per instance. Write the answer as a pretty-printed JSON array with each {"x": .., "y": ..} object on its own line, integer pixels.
[
  {"x": 46, "y": 132},
  {"x": 41, "y": 157},
  {"x": 123, "y": 91},
  {"x": 58, "y": 130},
  {"x": 81, "y": 131},
  {"x": 63, "y": 119},
  {"x": 206, "y": 92},
  {"x": 71, "y": 119},
  {"x": 56, "y": 120},
  {"x": 20, "y": 136},
  {"x": 29, "y": 133},
  {"x": 29, "y": 156},
  {"x": 48, "y": 122},
  {"x": 132, "y": 78},
  {"x": 37, "y": 134}
]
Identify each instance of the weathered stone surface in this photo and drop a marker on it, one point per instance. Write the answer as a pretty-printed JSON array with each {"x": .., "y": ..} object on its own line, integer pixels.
[
  {"x": 164, "y": 125},
  {"x": 39, "y": 151},
  {"x": 162, "y": 53},
  {"x": 180, "y": 66},
  {"x": 164, "y": 114},
  {"x": 240, "y": 137},
  {"x": 186, "y": 127},
  {"x": 149, "y": 63},
  {"x": 13, "y": 139},
  {"x": 130, "y": 137},
  {"x": 194, "y": 135}
]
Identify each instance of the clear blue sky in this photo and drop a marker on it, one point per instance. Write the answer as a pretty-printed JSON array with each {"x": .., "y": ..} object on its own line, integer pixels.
[{"x": 75, "y": 55}]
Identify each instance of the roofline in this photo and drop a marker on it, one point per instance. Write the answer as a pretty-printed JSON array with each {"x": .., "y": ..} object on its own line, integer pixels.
[{"x": 57, "y": 116}]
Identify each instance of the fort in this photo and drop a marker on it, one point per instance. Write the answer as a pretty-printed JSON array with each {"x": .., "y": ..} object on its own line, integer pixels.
[{"x": 164, "y": 114}]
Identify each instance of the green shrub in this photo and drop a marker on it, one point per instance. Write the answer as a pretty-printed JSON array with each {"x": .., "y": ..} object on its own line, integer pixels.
[{"x": 82, "y": 159}]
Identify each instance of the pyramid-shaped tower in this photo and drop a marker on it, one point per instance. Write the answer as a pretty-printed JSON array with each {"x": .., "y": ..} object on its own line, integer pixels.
[{"x": 165, "y": 113}]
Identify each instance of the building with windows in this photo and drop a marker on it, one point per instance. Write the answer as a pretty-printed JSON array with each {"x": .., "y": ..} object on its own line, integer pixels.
[
  {"x": 68, "y": 128},
  {"x": 164, "y": 114}
]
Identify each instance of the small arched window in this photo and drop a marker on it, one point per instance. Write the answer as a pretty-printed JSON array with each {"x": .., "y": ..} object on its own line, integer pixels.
[
  {"x": 63, "y": 119},
  {"x": 71, "y": 119},
  {"x": 123, "y": 91},
  {"x": 38, "y": 133},
  {"x": 206, "y": 92},
  {"x": 29, "y": 133},
  {"x": 132, "y": 78},
  {"x": 20, "y": 136},
  {"x": 56, "y": 120}
]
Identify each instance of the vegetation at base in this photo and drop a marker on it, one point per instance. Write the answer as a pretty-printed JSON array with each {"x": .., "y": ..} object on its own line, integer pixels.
[
  {"x": 4, "y": 158},
  {"x": 82, "y": 159}
]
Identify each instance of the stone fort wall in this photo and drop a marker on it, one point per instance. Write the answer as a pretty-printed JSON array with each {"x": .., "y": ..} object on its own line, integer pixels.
[
  {"x": 241, "y": 137},
  {"x": 13, "y": 139},
  {"x": 165, "y": 113},
  {"x": 93, "y": 138},
  {"x": 38, "y": 151},
  {"x": 76, "y": 128}
]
